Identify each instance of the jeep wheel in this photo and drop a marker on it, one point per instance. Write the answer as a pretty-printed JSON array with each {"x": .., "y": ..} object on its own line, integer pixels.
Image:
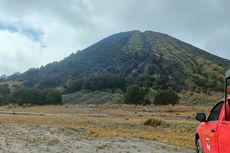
[{"x": 198, "y": 146}]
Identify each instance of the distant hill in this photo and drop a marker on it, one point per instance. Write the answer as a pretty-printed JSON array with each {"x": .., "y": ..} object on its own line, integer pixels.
[{"x": 139, "y": 57}]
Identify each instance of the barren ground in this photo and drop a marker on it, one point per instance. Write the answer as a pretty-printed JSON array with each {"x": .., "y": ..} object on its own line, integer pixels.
[
  {"x": 107, "y": 128},
  {"x": 21, "y": 139}
]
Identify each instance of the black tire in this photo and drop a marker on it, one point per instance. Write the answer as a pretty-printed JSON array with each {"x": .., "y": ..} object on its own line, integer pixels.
[{"x": 198, "y": 146}]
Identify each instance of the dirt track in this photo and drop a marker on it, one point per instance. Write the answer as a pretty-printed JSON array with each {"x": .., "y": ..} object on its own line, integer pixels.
[{"x": 21, "y": 139}]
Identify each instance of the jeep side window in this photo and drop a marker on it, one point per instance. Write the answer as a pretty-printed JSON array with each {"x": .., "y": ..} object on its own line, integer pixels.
[{"x": 215, "y": 112}]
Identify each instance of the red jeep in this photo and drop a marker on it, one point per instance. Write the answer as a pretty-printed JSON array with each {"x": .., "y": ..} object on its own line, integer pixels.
[{"x": 213, "y": 133}]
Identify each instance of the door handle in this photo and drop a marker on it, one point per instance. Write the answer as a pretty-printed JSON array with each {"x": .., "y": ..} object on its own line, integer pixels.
[{"x": 213, "y": 130}]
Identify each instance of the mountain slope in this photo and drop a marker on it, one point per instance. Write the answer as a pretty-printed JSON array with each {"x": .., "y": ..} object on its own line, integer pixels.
[{"x": 137, "y": 56}]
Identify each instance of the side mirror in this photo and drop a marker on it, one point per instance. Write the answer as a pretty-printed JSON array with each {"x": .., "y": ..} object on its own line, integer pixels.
[{"x": 201, "y": 117}]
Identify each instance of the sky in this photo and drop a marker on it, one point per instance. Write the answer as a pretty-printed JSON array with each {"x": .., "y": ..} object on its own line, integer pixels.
[{"x": 36, "y": 32}]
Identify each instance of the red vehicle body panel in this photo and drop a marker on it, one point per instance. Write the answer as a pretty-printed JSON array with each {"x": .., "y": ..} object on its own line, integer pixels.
[{"x": 215, "y": 135}]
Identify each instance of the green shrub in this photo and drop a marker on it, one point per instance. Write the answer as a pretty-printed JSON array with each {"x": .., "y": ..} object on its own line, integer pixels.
[
  {"x": 53, "y": 97},
  {"x": 153, "y": 122},
  {"x": 26, "y": 95},
  {"x": 4, "y": 93},
  {"x": 34, "y": 96},
  {"x": 166, "y": 97},
  {"x": 136, "y": 95}
]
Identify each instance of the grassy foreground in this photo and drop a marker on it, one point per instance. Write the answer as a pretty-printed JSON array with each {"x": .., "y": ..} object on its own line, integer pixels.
[{"x": 168, "y": 124}]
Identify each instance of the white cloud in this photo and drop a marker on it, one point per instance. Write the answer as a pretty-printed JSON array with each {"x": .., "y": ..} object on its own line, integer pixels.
[{"x": 17, "y": 52}]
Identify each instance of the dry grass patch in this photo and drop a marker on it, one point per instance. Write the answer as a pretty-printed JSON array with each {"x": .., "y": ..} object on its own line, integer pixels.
[{"x": 168, "y": 124}]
